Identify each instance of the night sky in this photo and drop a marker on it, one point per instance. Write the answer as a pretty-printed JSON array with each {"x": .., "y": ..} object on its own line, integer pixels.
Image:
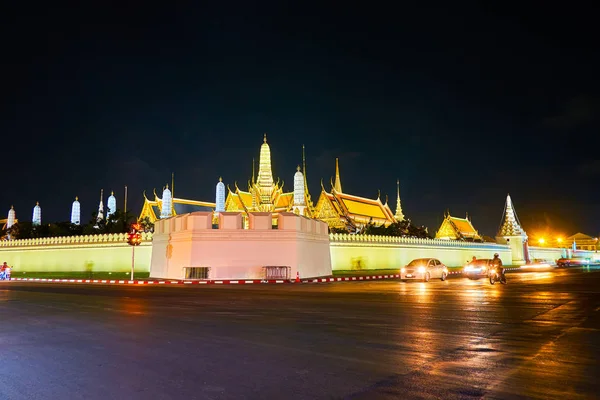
[{"x": 462, "y": 105}]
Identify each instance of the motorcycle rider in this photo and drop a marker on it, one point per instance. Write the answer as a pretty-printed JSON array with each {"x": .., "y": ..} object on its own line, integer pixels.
[{"x": 497, "y": 263}]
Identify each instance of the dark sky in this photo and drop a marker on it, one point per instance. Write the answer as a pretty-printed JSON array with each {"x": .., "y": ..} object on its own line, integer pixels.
[{"x": 463, "y": 105}]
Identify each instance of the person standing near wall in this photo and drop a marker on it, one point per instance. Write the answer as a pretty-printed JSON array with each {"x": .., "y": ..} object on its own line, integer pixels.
[{"x": 3, "y": 271}]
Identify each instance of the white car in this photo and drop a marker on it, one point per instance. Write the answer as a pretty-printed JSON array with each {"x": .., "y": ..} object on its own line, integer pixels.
[{"x": 424, "y": 269}]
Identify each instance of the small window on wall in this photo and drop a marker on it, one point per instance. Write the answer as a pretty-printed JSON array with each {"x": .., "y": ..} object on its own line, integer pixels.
[{"x": 197, "y": 272}]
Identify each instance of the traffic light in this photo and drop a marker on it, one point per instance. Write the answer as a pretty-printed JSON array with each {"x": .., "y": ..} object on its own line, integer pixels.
[{"x": 134, "y": 237}]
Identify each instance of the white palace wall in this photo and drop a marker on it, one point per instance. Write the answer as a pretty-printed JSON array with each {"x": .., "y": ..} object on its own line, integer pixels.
[{"x": 232, "y": 252}]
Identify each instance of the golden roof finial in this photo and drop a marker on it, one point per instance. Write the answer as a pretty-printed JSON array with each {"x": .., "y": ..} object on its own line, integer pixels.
[
  {"x": 220, "y": 179},
  {"x": 76, "y": 198},
  {"x": 167, "y": 186},
  {"x": 298, "y": 168},
  {"x": 338, "y": 181},
  {"x": 37, "y": 203},
  {"x": 265, "y": 138}
]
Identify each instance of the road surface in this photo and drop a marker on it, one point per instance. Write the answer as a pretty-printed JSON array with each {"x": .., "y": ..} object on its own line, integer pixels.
[{"x": 537, "y": 337}]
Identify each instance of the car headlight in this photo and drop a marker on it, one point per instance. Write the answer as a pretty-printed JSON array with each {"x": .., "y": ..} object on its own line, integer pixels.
[
  {"x": 421, "y": 269},
  {"x": 403, "y": 270}
]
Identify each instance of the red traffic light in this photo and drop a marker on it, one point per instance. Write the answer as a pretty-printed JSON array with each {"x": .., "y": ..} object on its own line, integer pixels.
[{"x": 134, "y": 239}]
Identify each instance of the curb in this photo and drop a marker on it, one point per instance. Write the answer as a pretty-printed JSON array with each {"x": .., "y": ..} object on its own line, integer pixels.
[
  {"x": 221, "y": 281},
  {"x": 205, "y": 282}
]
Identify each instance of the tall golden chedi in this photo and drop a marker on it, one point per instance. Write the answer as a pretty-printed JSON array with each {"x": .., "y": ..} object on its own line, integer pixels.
[{"x": 266, "y": 195}]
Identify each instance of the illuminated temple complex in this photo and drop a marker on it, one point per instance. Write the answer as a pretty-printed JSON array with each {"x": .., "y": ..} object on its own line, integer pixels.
[{"x": 264, "y": 194}]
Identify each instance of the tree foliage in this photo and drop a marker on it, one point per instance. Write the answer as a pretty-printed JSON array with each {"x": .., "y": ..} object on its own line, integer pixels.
[
  {"x": 118, "y": 222},
  {"x": 402, "y": 228}
]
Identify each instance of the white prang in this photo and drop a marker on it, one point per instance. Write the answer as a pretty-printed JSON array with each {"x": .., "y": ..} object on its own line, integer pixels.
[
  {"x": 76, "y": 212},
  {"x": 220, "y": 196},
  {"x": 11, "y": 217},
  {"x": 100, "y": 216},
  {"x": 111, "y": 205},
  {"x": 167, "y": 204},
  {"x": 37, "y": 215}
]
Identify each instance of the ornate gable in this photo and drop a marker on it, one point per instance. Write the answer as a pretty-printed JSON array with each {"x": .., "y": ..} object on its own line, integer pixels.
[{"x": 326, "y": 211}]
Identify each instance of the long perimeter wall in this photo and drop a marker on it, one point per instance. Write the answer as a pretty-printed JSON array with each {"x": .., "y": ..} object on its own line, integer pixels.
[
  {"x": 348, "y": 252},
  {"x": 97, "y": 253},
  {"x": 363, "y": 252}
]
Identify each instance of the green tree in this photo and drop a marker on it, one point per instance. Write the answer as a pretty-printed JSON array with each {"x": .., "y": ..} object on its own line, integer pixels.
[{"x": 147, "y": 226}]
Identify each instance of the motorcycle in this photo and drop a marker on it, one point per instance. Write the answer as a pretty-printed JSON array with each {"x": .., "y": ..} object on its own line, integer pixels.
[{"x": 496, "y": 277}]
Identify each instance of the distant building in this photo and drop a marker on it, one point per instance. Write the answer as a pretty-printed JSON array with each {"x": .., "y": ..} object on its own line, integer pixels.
[{"x": 582, "y": 242}]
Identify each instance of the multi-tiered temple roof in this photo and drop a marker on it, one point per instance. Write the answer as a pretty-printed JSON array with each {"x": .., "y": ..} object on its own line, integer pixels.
[
  {"x": 454, "y": 228},
  {"x": 341, "y": 210}
]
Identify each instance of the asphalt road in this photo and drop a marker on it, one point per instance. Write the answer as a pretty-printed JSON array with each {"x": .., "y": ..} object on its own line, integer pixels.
[{"x": 537, "y": 337}]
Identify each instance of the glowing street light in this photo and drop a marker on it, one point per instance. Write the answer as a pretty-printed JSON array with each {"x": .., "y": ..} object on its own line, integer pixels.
[{"x": 541, "y": 241}]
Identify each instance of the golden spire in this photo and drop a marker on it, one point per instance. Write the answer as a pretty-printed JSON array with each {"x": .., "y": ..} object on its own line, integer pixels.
[
  {"x": 112, "y": 192},
  {"x": 37, "y": 203},
  {"x": 76, "y": 198},
  {"x": 220, "y": 179},
  {"x": 265, "y": 174},
  {"x": 298, "y": 168},
  {"x": 398, "y": 216},
  {"x": 338, "y": 181},
  {"x": 265, "y": 138},
  {"x": 172, "y": 184},
  {"x": 253, "y": 162},
  {"x": 304, "y": 173}
]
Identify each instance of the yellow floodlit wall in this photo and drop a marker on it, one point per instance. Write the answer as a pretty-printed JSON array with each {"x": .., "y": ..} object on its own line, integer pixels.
[
  {"x": 364, "y": 252},
  {"x": 91, "y": 253}
]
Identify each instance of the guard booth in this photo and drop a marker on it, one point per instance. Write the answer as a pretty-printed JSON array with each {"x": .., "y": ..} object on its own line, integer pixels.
[{"x": 277, "y": 272}]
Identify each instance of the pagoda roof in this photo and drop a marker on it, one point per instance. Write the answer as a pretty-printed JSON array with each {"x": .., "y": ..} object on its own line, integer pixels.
[
  {"x": 152, "y": 208},
  {"x": 463, "y": 225},
  {"x": 457, "y": 228},
  {"x": 359, "y": 208},
  {"x": 580, "y": 236},
  {"x": 284, "y": 200}
]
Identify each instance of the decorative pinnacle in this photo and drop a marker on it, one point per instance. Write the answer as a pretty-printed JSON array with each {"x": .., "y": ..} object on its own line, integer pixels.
[
  {"x": 167, "y": 185},
  {"x": 265, "y": 138},
  {"x": 76, "y": 198},
  {"x": 220, "y": 179},
  {"x": 37, "y": 203},
  {"x": 298, "y": 168},
  {"x": 112, "y": 193}
]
